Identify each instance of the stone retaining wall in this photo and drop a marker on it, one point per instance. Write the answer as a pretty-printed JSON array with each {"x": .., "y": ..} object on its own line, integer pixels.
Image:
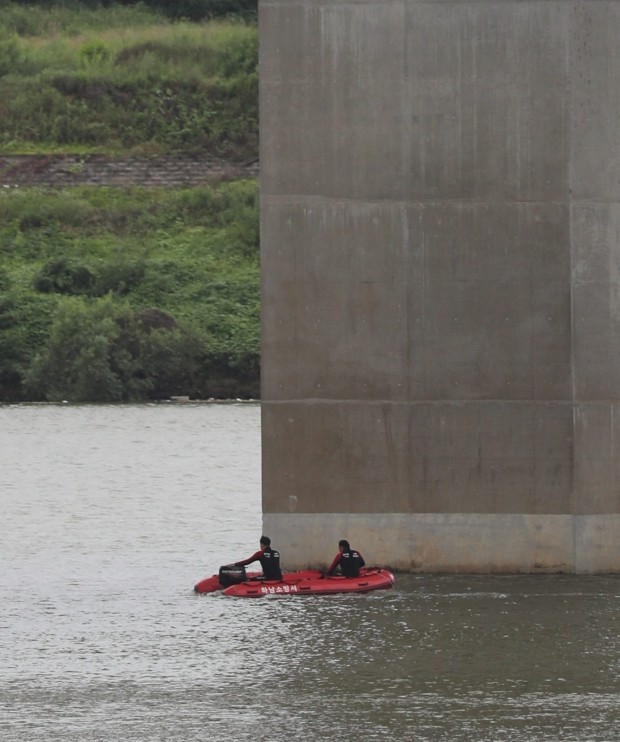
[{"x": 100, "y": 170}]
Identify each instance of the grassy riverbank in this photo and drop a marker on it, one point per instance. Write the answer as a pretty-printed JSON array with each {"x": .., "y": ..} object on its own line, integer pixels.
[
  {"x": 125, "y": 79},
  {"x": 180, "y": 266},
  {"x": 126, "y": 294}
]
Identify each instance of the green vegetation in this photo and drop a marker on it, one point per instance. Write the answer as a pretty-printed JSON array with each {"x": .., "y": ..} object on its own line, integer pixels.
[
  {"x": 129, "y": 294},
  {"x": 45, "y": 17},
  {"x": 129, "y": 81}
]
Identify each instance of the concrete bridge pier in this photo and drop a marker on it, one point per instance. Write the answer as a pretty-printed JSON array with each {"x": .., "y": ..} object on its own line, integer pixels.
[{"x": 440, "y": 227}]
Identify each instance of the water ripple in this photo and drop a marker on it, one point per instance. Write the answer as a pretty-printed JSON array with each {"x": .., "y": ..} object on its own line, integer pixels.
[{"x": 111, "y": 514}]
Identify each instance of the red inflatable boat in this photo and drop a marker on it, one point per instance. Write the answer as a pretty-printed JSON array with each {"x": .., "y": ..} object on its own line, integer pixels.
[{"x": 304, "y": 582}]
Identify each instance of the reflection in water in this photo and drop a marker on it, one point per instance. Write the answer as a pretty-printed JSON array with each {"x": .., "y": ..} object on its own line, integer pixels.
[{"x": 111, "y": 514}]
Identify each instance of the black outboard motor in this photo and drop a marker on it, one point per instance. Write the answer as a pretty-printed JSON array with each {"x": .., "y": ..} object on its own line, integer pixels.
[{"x": 230, "y": 574}]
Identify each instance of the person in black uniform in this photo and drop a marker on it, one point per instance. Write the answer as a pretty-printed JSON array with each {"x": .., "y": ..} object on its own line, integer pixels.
[
  {"x": 269, "y": 560},
  {"x": 350, "y": 560}
]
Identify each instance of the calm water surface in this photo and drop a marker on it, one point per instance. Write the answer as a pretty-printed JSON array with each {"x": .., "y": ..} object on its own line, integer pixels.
[{"x": 109, "y": 515}]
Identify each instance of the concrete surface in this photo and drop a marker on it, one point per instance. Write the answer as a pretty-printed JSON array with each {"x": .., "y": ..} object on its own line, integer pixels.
[{"x": 440, "y": 227}]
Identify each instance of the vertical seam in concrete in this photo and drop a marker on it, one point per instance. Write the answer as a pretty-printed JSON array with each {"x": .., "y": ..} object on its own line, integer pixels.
[
  {"x": 569, "y": 196},
  {"x": 612, "y": 447},
  {"x": 405, "y": 205}
]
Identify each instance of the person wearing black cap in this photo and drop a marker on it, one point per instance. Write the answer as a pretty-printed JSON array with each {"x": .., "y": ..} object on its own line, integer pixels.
[
  {"x": 269, "y": 560},
  {"x": 350, "y": 560}
]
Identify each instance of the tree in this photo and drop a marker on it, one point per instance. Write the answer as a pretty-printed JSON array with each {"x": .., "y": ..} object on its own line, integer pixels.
[
  {"x": 100, "y": 351},
  {"x": 11, "y": 352}
]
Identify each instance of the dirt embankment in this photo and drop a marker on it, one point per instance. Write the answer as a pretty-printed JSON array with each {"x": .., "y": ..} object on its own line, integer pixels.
[{"x": 100, "y": 170}]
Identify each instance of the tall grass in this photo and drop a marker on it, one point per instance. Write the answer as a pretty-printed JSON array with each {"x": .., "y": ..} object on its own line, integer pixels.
[
  {"x": 153, "y": 87},
  {"x": 73, "y": 18},
  {"x": 49, "y": 17},
  {"x": 184, "y": 50}
]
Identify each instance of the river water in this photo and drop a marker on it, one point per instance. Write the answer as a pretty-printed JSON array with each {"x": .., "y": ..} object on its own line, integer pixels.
[{"x": 109, "y": 515}]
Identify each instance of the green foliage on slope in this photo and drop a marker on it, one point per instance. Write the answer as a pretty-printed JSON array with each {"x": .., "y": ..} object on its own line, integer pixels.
[
  {"x": 111, "y": 294},
  {"x": 129, "y": 81}
]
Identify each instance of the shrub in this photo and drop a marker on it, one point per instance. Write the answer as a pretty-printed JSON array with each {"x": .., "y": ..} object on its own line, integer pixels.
[
  {"x": 9, "y": 54},
  {"x": 119, "y": 277},
  {"x": 104, "y": 352},
  {"x": 94, "y": 52},
  {"x": 64, "y": 276},
  {"x": 11, "y": 352},
  {"x": 24, "y": 325}
]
